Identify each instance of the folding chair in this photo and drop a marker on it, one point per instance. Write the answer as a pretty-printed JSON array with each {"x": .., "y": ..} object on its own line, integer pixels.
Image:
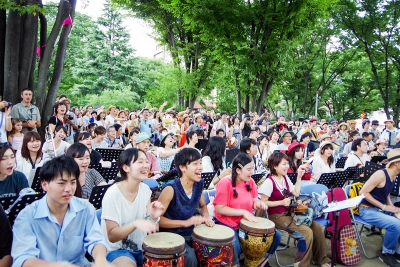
[
  {"x": 358, "y": 220},
  {"x": 315, "y": 188}
]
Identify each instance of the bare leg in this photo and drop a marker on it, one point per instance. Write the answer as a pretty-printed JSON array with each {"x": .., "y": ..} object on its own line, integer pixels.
[
  {"x": 124, "y": 261},
  {"x": 264, "y": 261}
]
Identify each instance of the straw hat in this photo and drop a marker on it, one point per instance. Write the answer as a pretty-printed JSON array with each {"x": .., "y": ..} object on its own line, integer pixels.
[
  {"x": 388, "y": 121},
  {"x": 352, "y": 121},
  {"x": 380, "y": 141},
  {"x": 324, "y": 144},
  {"x": 345, "y": 124},
  {"x": 324, "y": 136},
  {"x": 393, "y": 156}
]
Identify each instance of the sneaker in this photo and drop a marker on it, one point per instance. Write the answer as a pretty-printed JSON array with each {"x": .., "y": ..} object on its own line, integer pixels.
[{"x": 389, "y": 259}]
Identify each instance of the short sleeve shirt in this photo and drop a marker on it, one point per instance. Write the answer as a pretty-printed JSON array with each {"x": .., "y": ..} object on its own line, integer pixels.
[
  {"x": 267, "y": 187},
  {"x": 23, "y": 112},
  {"x": 13, "y": 184}
]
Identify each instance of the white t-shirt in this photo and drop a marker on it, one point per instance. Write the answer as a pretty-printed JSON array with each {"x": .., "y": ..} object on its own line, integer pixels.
[
  {"x": 3, "y": 132},
  {"x": 48, "y": 150},
  {"x": 353, "y": 160},
  {"x": 272, "y": 148},
  {"x": 282, "y": 146},
  {"x": 267, "y": 187},
  {"x": 319, "y": 167},
  {"x": 110, "y": 120},
  {"x": 116, "y": 208}
]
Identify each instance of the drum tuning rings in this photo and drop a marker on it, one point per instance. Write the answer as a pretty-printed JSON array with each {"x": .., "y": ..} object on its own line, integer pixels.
[
  {"x": 264, "y": 238},
  {"x": 246, "y": 236},
  {"x": 145, "y": 260},
  {"x": 176, "y": 254},
  {"x": 175, "y": 262}
]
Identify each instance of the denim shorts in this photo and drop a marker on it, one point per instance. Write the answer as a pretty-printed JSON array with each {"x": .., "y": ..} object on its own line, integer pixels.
[{"x": 136, "y": 256}]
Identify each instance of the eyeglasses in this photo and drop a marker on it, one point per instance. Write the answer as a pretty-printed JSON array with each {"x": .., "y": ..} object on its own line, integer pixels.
[{"x": 6, "y": 144}]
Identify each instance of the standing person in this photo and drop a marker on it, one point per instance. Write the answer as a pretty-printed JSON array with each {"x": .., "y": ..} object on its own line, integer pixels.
[
  {"x": 343, "y": 133},
  {"x": 390, "y": 133},
  {"x": 222, "y": 123},
  {"x": 27, "y": 112},
  {"x": 31, "y": 156},
  {"x": 263, "y": 148},
  {"x": 185, "y": 125},
  {"x": 86, "y": 139},
  {"x": 365, "y": 126},
  {"x": 88, "y": 178},
  {"x": 6, "y": 240},
  {"x": 99, "y": 136},
  {"x": 376, "y": 208},
  {"x": 235, "y": 131},
  {"x": 198, "y": 119},
  {"x": 58, "y": 229},
  {"x": 120, "y": 134},
  {"x": 182, "y": 198},
  {"x": 245, "y": 125},
  {"x": 146, "y": 123},
  {"x": 210, "y": 123},
  {"x": 236, "y": 198},
  {"x": 314, "y": 130},
  {"x": 5, "y": 121},
  {"x": 100, "y": 120},
  {"x": 60, "y": 118},
  {"x": 311, "y": 245},
  {"x": 352, "y": 125},
  {"x": 127, "y": 213},
  {"x": 15, "y": 137},
  {"x": 309, "y": 149},
  {"x": 112, "y": 115},
  {"x": 58, "y": 144},
  {"x": 374, "y": 129},
  {"x": 273, "y": 141}
]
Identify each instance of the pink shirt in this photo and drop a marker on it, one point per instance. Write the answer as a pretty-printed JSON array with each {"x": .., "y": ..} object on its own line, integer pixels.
[
  {"x": 224, "y": 196},
  {"x": 152, "y": 161}
]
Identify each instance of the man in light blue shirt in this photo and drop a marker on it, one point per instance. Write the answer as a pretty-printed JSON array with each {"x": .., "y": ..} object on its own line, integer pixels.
[
  {"x": 58, "y": 229},
  {"x": 146, "y": 124}
]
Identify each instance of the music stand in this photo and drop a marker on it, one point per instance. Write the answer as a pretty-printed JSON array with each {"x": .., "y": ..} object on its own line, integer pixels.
[
  {"x": 20, "y": 205},
  {"x": 109, "y": 173},
  {"x": 395, "y": 191},
  {"x": 36, "y": 184},
  {"x": 357, "y": 174},
  {"x": 257, "y": 177},
  {"x": 377, "y": 159},
  {"x": 340, "y": 163},
  {"x": 6, "y": 202},
  {"x": 207, "y": 178},
  {"x": 96, "y": 167},
  {"x": 230, "y": 155},
  {"x": 173, "y": 167},
  {"x": 109, "y": 154},
  {"x": 371, "y": 168},
  {"x": 333, "y": 179},
  {"x": 201, "y": 144},
  {"x": 292, "y": 177},
  {"x": 96, "y": 197}
]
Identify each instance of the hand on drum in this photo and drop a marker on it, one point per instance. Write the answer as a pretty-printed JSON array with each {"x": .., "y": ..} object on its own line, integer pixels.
[
  {"x": 195, "y": 220},
  {"x": 157, "y": 209},
  {"x": 260, "y": 205},
  {"x": 249, "y": 216},
  {"x": 146, "y": 226},
  {"x": 209, "y": 222}
]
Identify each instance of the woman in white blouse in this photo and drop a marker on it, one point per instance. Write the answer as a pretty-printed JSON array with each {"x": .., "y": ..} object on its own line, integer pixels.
[
  {"x": 57, "y": 143},
  {"x": 31, "y": 156},
  {"x": 325, "y": 163}
]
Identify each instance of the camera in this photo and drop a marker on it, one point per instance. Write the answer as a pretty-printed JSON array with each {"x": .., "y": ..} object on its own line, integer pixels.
[{"x": 9, "y": 104}]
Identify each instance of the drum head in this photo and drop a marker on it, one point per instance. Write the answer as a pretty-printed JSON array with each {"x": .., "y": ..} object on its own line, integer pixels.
[
  {"x": 164, "y": 243},
  {"x": 262, "y": 226},
  {"x": 216, "y": 235}
]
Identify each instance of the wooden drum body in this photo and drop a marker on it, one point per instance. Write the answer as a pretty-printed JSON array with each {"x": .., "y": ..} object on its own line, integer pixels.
[
  {"x": 255, "y": 239},
  {"x": 213, "y": 245},
  {"x": 163, "y": 249}
]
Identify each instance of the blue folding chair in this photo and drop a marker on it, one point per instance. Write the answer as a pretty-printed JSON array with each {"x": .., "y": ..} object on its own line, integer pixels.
[
  {"x": 357, "y": 219},
  {"x": 315, "y": 188}
]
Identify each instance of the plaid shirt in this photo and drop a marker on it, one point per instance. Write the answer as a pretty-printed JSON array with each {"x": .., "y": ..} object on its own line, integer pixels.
[
  {"x": 259, "y": 165},
  {"x": 116, "y": 143}
]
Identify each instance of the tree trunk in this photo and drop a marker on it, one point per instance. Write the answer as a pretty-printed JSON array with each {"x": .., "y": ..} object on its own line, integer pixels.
[
  {"x": 192, "y": 101},
  {"x": 11, "y": 61},
  {"x": 64, "y": 9},
  {"x": 3, "y": 26},
  {"x": 266, "y": 87},
  {"x": 254, "y": 101},
  {"x": 246, "y": 102},
  {"x": 238, "y": 100}
]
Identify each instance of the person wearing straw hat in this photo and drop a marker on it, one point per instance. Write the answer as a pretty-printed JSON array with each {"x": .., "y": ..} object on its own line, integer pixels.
[
  {"x": 390, "y": 133},
  {"x": 376, "y": 208},
  {"x": 325, "y": 162},
  {"x": 343, "y": 132},
  {"x": 352, "y": 125},
  {"x": 285, "y": 139},
  {"x": 380, "y": 147}
]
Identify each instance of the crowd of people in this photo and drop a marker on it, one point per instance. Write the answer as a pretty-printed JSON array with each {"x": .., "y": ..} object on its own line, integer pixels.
[{"x": 194, "y": 141}]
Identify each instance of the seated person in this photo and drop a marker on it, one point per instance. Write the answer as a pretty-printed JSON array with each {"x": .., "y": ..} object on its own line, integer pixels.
[
  {"x": 377, "y": 208},
  {"x": 347, "y": 148},
  {"x": 285, "y": 140},
  {"x": 166, "y": 152},
  {"x": 325, "y": 163},
  {"x": 119, "y": 129},
  {"x": 380, "y": 147},
  {"x": 132, "y": 138},
  {"x": 276, "y": 192},
  {"x": 220, "y": 133},
  {"x": 58, "y": 229},
  {"x": 111, "y": 138},
  {"x": 88, "y": 178},
  {"x": 235, "y": 198},
  {"x": 324, "y": 138},
  {"x": 86, "y": 139},
  {"x": 6, "y": 240},
  {"x": 365, "y": 136},
  {"x": 127, "y": 214},
  {"x": 295, "y": 154},
  {"x": 359, "y": 156},
  {"x": 182, "y": 197},
  {"x": 57, "y": 146},
  {"x": 99, "y": 136},
  {"x": 249, "y": 147},
  {"x": 11, "y": 181},
  {"x": 143, "y": 143}
]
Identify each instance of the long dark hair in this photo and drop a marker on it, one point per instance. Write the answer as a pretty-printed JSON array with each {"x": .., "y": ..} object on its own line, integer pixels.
[
  {"x": 127, "y": 157},
  {"x": 215, "y": 149},
  {"x": 241, "y": 160},
  {"x": 30, "y": 136},
  {"x": 331, "y": 160},
  {"x": 293, "y": 163}
]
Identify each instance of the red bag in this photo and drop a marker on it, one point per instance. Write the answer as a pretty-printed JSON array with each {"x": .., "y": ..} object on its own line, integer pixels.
[{"x": 347, "y": 249}]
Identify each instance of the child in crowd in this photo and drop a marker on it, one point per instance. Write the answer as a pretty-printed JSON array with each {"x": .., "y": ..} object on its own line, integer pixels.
[{"x": 16, "y": 136}]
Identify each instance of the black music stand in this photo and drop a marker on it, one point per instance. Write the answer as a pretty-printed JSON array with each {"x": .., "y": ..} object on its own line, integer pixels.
[
  {"x": 371, "y": 168},
  {"x": 109, "y": 154},
  {"x": 395, "y": 191},
  {"x": 340, "y": 163},
  {"x": 20, "y": 205},
  {"x": 333, "y": 179},
  {"x": 230, "y": 155},
  {"x": 36, "y": 184},
  {"x": 109, "y": 173},
  {"x": 207, "y": 177},
  {"x": 377, "y": 159},
  {"x": 96, "y": 167},
  {"x": 357, "y": 173},
  {"x": 96, "y": 197},
  {"x": 292, "y": 177},
  {"x": 6, "y": 202},
  {"x": 257, "y": 177},
  {"x": 201, "y": 144}
]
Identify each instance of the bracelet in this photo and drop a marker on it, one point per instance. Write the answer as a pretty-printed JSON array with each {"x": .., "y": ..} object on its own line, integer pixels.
[
  {"x": 384, "y": 206},
  {"x": 64, "y": 264}
]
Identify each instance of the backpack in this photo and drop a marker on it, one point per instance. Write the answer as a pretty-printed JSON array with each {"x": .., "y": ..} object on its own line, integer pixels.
[
  {"x": 355, "y": 192},
  {"x": 347, "y": 249},
  {"x": 317, "y": 203}
]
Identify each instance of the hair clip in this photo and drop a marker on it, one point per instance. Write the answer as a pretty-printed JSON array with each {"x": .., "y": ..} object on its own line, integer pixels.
[{"x": 240, "y": 165}]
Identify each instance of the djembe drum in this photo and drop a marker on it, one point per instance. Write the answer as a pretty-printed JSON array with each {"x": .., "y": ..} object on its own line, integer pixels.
[
  {"x": 255, "y": 239},
  {"x": 163, "y": 249},
  {"x": 213, "y": 245}
]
